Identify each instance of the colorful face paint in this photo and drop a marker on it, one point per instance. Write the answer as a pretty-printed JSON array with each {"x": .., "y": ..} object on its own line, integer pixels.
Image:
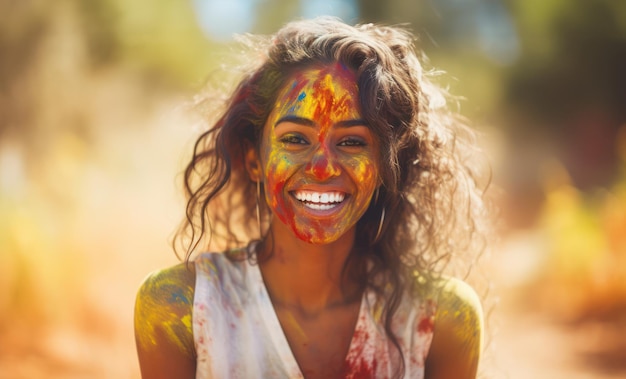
[{"x": 319, "y": 157}]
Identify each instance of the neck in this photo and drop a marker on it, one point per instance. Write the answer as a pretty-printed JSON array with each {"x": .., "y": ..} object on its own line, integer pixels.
[{"x": 305, "y": 277}]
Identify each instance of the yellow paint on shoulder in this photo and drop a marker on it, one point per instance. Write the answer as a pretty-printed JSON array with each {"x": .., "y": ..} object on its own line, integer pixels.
[
  {"x": 163, "y": 309},
  {"x": 457, "y": 337},
  {"x": 459, "y": 310},
  {"x": 187, "y": 321}
]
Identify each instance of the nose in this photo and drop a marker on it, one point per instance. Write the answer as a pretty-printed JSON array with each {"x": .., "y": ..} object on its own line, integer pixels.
[{"x": 322, "y": 165}]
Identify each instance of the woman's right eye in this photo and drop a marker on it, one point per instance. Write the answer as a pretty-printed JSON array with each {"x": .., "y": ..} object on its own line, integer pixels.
[{"x": 293, "y": 139}]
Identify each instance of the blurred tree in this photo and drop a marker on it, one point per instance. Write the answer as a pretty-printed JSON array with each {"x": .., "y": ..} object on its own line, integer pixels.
[
  {"x": 100, "y": 23},
  {"x": 46, "y": 48},
  {"x": 165, "y": 42},
  {"x": 420, "y": 15},
  {"x": 271, "y": 14},
  {"x": 470, "y": 40},
  {"x": 22, "y": 27},
  {"x": 574, "y": 57},
  {"x": 571, "y": 81}
]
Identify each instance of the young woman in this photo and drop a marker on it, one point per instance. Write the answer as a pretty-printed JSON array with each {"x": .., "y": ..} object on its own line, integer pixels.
[{"x": 344, "y": 187}]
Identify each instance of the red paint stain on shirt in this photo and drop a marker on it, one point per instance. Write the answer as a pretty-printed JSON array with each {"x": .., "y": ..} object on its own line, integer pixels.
[
  {"x": 360, "y": 370},
  {"x": 356, "y": 365},
  {"x": 426, "y": 325}
]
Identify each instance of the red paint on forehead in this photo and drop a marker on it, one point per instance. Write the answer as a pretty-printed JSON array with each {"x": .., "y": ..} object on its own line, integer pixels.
[{"x": 327, "y": 104}]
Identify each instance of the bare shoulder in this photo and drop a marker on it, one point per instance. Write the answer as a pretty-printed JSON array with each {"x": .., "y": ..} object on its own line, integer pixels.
[
  {"x": 458, "y": 332},
  {"x": 458, "y": 302},
  {"x": 163, "y": 328}
]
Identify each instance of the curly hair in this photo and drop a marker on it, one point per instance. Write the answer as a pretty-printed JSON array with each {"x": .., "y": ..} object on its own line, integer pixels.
[{"x": 430, "y": 191}]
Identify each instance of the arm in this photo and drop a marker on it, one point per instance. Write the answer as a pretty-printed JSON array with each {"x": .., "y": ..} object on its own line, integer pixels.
[
  {"x": 163, "y": 330},
  {"x": 457, "y": 339}
]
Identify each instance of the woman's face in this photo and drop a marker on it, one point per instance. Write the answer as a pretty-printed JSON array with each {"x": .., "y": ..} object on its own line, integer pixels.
[{"x": 319, "y": 158}]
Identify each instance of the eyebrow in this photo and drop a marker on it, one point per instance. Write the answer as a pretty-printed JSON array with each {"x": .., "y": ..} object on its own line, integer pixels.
[{"x": 307, "y": 122}]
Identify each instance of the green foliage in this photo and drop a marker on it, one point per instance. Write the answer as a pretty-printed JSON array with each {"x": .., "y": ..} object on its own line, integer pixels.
[
  {"x": 22, "y": 24},
  {"x": 99, "y": 21},
  {"x": 573, "y": 57},
  {"x": 164, "y": 38}
]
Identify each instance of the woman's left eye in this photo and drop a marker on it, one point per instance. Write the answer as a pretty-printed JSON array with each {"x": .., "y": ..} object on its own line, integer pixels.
[{"x": 351, "y": 142}]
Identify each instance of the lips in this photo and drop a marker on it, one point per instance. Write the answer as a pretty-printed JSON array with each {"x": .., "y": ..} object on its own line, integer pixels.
[{"x": 319, "y": 200}]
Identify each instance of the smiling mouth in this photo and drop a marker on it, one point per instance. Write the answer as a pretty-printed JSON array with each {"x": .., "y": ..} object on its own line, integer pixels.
[{"x": 320, "y": 200}]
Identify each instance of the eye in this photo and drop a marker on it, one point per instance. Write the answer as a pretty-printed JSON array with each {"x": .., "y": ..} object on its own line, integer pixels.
[
  {"x": 352, "y": 142},
  {"x": 293, "y": 139}
]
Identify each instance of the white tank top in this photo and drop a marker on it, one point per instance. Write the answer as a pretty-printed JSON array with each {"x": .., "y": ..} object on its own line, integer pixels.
[{"x": 237, "y": 333}]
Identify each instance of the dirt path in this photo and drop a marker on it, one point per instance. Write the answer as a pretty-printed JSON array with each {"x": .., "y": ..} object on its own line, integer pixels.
[{"x": 528, "y": 343}]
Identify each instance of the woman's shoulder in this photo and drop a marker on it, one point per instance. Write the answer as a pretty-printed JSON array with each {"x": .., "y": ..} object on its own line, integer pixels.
[
  {"x": 448, "y": 294},
  {"x": 455, "y": 295},
  {"x": 458, "y": 330},
  {"x": 173, "y": 284},
  {"x": 459, "y": 311},
  {"x": 163, "y": 307},
  {"x": 172, "y": 288}
]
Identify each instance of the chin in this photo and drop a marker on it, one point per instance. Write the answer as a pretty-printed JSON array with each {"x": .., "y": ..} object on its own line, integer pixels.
[{"x": 318, "y": 238}]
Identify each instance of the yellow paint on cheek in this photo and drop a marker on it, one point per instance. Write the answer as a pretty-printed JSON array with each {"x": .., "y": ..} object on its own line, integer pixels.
[
  {"x": 163, "y": 313},
  {"x": 281, "y": 164},
  {"x": 364, "y": 170}
]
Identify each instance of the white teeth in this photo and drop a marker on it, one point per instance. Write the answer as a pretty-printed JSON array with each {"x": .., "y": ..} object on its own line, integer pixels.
[
  {"x": 321, "y": 207},
  {"x": 320, "y": 200}
]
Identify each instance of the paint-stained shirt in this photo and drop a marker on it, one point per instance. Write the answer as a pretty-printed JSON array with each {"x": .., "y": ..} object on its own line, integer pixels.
[{"x": 237, "y": 333}]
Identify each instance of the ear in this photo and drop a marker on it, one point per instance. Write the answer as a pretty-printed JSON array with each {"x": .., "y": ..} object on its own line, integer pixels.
[{"x": 253, "y": 164}]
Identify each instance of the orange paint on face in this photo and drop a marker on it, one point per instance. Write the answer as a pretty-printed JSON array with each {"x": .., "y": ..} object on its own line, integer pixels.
[{"x": 316, "y": 143}]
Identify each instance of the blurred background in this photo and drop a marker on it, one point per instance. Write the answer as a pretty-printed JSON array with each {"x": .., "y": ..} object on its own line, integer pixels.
[{"x": 95, "y": 128}]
